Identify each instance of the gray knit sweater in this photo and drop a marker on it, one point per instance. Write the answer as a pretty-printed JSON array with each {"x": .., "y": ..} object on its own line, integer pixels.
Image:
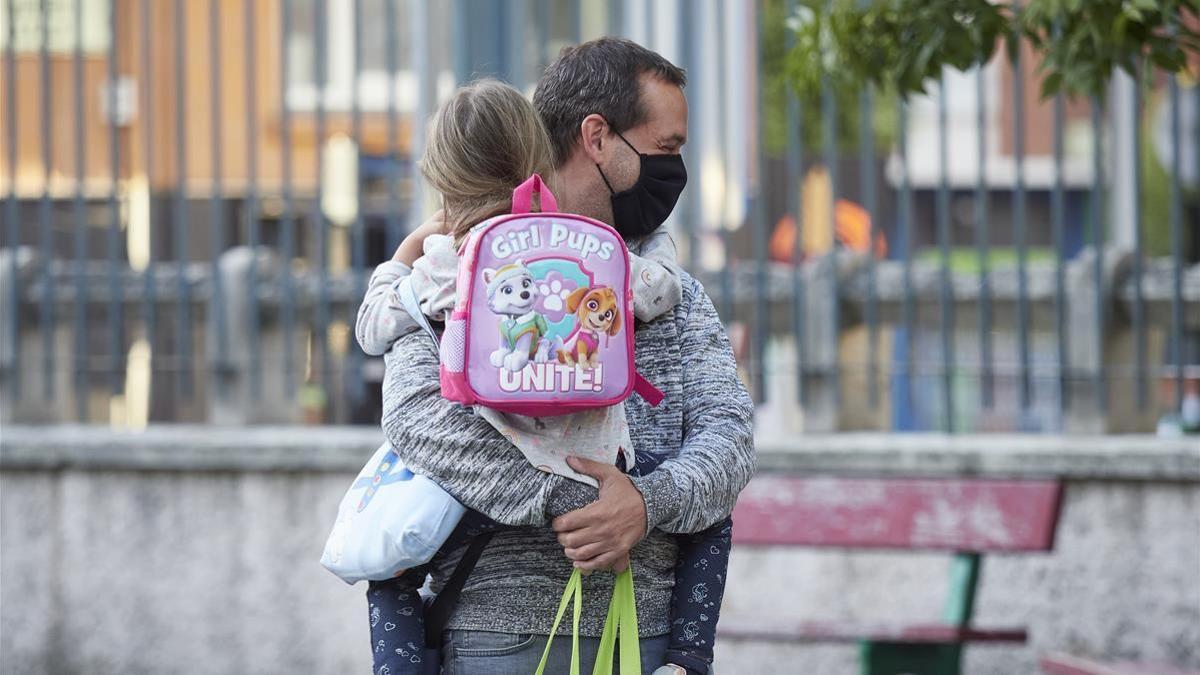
[{"x": 703, "y": 427}]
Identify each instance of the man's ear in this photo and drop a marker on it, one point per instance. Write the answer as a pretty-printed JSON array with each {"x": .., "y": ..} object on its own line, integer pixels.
[{"x": 593, "y": 132}]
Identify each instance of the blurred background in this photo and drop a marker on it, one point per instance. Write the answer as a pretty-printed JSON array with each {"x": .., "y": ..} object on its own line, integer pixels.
[{"x": 195, "y": 192}]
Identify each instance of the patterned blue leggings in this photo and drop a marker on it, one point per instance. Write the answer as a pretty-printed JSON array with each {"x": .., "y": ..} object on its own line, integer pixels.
[
  {"x": 397, "y": 616},
  {"x": 397, "y": 612}
]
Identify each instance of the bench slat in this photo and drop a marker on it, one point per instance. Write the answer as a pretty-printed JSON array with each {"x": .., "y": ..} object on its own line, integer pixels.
[
  {"x": 817, "y": 631},
  {"x": 1064, "y": 664},
  {"x": 932, "y": 514}
]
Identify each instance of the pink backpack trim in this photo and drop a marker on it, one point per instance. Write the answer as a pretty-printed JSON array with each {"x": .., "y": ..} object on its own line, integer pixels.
[{"x": 643, "y": 388}]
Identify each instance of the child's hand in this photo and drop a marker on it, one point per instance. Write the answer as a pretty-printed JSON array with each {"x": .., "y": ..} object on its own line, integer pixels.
[{"x": 410, "y": 249}]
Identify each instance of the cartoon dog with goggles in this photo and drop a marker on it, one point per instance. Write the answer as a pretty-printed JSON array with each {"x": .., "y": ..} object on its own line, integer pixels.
[{"x": 596, "y": 313}]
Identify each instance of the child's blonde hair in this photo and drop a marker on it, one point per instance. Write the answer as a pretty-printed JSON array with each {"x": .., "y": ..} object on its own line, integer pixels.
[{"x": 483, "y": 142}]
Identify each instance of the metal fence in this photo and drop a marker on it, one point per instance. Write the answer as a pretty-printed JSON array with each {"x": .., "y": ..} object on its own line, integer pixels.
[{"x": 196, "y": 191}]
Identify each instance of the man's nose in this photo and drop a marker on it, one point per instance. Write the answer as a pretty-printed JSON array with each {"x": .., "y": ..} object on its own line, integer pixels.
[{"x": 524, "y": 295}]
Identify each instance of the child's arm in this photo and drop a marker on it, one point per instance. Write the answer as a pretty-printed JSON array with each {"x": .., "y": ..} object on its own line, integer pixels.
[
  {"x": 381, "y": 316},
  {"x": 410, "y": 249},
  {"x": 435, "y": 277},
  {"x": 655, "y": 276}
]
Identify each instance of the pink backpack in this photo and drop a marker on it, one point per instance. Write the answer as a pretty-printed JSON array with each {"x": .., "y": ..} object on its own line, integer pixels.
[{"x": 543, "y": 324}]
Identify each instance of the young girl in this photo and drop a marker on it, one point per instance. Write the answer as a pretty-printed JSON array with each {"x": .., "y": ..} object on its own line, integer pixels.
[{"x": 485, "y": 141}]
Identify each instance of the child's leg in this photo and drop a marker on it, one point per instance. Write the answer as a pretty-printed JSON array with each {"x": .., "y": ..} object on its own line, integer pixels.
[
  {"x": 397, "y": 612},
  {"x": 696, "y": 603},
  {"x": 397, "y": 622}
]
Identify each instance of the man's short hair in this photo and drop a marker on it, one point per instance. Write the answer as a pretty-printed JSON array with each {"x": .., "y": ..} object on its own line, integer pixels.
[{"x": 597, "y": 77}]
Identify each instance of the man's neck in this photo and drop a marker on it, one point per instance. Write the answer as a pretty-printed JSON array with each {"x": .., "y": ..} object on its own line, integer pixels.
[{"x": 580, "y": 190}]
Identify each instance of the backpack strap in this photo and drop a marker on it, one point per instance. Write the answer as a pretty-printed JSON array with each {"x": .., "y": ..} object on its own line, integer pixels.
[
  {"x": 522, "y": 197},
  {"x": 408, "y": 300},
  {"x": 652, "y": 394},
  {"x": 437, "y": 614}
]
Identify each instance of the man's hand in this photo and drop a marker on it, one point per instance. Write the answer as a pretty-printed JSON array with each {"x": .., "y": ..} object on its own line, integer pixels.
[
  {"x": 411, "y": 248},
  {"x": 599, "y": 535}
]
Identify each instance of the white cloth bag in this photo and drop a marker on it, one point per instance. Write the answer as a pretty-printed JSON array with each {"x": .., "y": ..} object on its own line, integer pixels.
[{"x": 389, "y": 520}]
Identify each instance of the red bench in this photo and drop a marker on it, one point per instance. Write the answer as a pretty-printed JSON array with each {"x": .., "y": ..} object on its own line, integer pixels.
[
  {"x": 965, "y": 517},
  {"x": 1063, "y": 664}
]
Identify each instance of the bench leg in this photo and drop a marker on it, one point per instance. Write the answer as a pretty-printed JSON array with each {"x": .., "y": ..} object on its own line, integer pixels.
[{"x": 898, "y": 658}]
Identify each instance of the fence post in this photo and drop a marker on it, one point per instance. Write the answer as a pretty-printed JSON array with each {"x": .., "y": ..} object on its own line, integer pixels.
[
  {"x": 821, "y": 410},
  {"x": 23, "y": 351},
  {"x": 1102, "y": 351},
  {"x": 231, "y": 398}
]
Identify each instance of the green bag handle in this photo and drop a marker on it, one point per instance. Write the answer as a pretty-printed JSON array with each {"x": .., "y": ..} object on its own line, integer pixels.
[
  {"x": 573, "y": 591},
  {"x": 621, "y": 619}
]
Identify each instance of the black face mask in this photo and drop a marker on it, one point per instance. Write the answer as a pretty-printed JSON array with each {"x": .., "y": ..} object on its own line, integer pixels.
[{"x": 639, "y": 210}]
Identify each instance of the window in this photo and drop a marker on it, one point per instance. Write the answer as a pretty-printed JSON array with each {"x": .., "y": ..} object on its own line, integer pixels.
[
  {"x": 26, "y": 25},
  {"x": 377, "y": 38}
]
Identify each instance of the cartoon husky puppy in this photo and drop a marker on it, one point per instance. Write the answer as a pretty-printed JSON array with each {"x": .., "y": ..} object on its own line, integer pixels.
[
  {"x": 596, "y": 313},
  {"x": 512, "y": 294}
]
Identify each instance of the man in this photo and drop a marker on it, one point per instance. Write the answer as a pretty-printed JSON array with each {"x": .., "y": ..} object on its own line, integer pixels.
[{"x": 618, "y": 119}]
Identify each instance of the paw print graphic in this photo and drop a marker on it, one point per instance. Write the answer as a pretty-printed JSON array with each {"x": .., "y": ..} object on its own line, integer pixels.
[
  {"x": 554, "y": 289},
  {"x": 374, "y": 616}
]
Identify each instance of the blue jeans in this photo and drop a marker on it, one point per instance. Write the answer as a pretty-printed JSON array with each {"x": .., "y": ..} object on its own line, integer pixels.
[{"x": 477, "y": 652}]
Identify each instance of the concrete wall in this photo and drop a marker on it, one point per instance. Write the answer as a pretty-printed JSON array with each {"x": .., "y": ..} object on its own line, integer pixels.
[{"x": 195, "y": 550}]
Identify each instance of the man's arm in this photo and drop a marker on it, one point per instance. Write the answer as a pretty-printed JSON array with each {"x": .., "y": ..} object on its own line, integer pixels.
[
  {"x": 699, "y": 487},
  {"x": 460, "y": 451}
]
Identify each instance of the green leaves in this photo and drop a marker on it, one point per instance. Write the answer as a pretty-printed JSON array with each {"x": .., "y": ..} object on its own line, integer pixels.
[
  {"x": 897, "y": 45},
  {"x": 900, "y": 45},
  {"x": 1100, "y": 36},
  {"x": 779, "y": 34}
]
